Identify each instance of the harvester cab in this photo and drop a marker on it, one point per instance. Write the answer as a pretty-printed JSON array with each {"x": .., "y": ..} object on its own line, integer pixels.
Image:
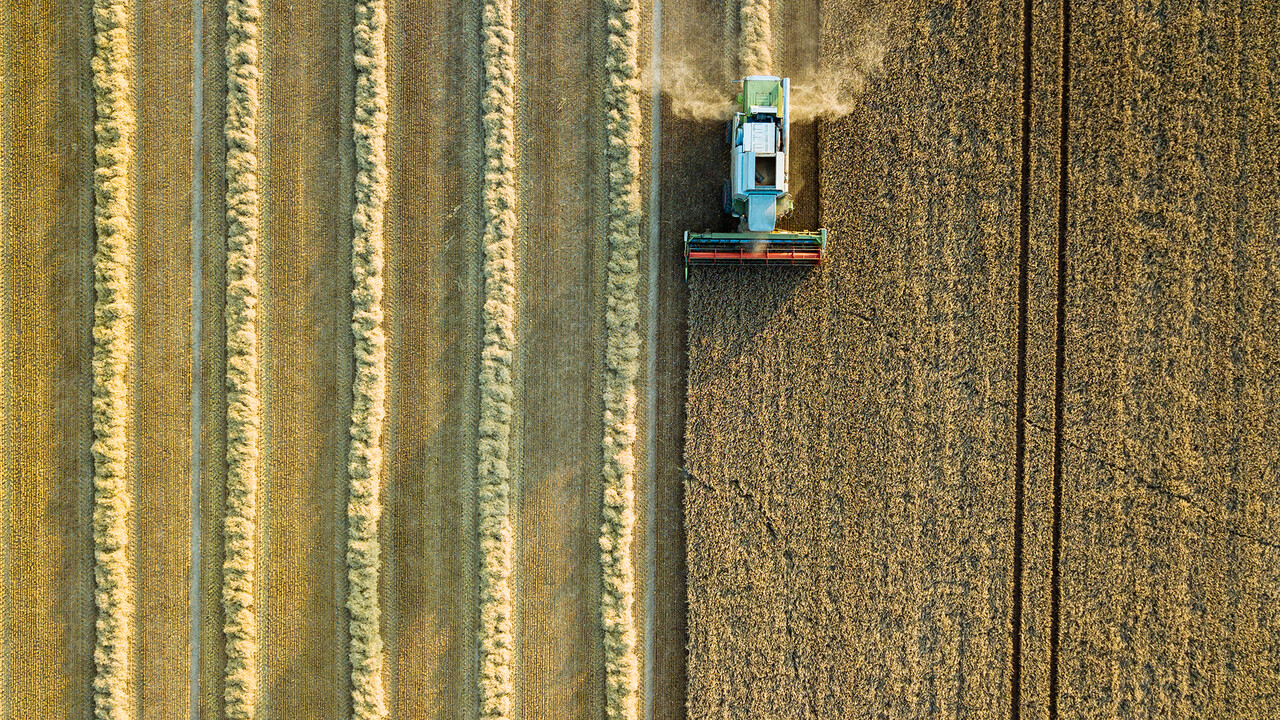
[{"x": 757, "y": 191}]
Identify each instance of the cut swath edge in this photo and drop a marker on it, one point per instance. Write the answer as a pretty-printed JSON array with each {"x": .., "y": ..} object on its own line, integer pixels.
[
  {"x": 622, "y": 362},
  {"x": 364, "y": 509},
  {"x": 244, "y": 421},
  {"x": 113, "y": 686},
  {"x": 496, "y": 643}
]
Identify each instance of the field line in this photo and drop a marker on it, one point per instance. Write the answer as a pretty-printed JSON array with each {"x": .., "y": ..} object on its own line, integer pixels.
[
  {"x": 112, "y": 334},
  {"x": 496, "y": 384},
  {"x": 6, "y": 383},
  {"x": 364, "y": 508},
  {"x": 622, "y": 361},
  {"x": 755, "y": 38},
  {"x": 651, "y": 375},
  {"x": 244, "y": 419},
  {"x": 197, "y": 333}
]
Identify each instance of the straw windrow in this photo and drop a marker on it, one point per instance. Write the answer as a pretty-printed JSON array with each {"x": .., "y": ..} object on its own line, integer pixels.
[
  {"x": 497, "y": 538},
  {"x": 113, "y": 341},
  {"x": 364, "y": 509},
  {"x": 243, "y": 409},
  {"x": 756, "y": 38},
  {"x": 622, "y": 353}
]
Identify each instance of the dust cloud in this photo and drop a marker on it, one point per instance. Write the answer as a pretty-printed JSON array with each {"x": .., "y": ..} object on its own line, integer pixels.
[
  {"x": 702, "y": 90},
  {"x": 832, "y": 90},
  {"x": 696, "y": 92}
]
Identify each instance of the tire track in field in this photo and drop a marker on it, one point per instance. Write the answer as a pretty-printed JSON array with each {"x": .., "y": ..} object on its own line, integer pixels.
[
  {"x": 244, "y": 419},
  {"x": 494, "y": 475},
  {"x": 364, "y": 508},
  {"x": 622, "y": 355},
  {"x": 113, "y": 337},
  {"x": 6, "y": 382}
]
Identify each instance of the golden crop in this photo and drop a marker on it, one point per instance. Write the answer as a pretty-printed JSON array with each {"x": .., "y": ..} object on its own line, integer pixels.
[{"x": 622, "y": 353}]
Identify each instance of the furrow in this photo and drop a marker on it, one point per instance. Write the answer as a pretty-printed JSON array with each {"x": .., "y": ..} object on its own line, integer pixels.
[
  {"x": 364, "y": 508},
  {"x": 497, "y": 388},
  {"x": 755, "y": 39},
  {"x": 112, "y": 333},
  {"x": 244, "y": 420},
  {"x": 622, "y": 355}
]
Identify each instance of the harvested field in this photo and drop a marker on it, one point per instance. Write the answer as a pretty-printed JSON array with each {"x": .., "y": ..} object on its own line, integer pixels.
[
  {"x": 96, "y": 392},
  {"x": 380, "y": 391},
  {"x": 48, "y": 203}
]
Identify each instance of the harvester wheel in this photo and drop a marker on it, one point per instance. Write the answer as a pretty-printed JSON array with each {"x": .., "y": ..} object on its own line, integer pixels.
[
  {"x": 728, "y": 199},
  {"x": 728, "y": 132}
]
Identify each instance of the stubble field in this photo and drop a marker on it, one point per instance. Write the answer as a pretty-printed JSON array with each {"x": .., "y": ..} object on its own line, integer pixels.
[{"x": 381, "y": 393}]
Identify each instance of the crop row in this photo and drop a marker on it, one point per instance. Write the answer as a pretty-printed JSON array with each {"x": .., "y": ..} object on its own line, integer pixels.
[
  {"x": 622, "y": 353},
  {"x": 497, "y": 391},
  {"x": 113, "y": 341},
  {"x": 364, "y": 509}
]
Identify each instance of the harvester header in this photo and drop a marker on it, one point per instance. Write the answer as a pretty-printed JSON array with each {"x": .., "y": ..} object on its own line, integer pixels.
[{"x": 757, "y": 191}]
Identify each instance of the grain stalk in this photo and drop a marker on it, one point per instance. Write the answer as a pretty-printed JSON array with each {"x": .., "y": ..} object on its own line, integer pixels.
[
  {"x": 113, "y": 341},
  {"x": 497, "y": 537},
  {"x": 756, "y": 38},
  {"x": 364, "y": 508},
  {"x": 240, "y": 689},
  {"x": 622, "y": 360}
]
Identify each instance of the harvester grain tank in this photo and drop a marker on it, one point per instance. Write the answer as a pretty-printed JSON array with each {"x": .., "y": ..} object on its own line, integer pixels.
[{"x": 758, "y": 189}]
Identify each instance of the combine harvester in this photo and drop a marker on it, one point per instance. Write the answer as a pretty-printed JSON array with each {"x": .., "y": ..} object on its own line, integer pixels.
[{"x": 759, "y": 138}]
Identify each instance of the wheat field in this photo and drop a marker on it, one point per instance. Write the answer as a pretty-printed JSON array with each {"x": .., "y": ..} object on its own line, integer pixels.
[
  {"x": 1003, "y": 456},
  {"x": 348, "y": 367}
]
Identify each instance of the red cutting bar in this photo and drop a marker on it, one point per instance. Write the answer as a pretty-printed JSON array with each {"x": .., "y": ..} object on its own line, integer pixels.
[{"x": 788, "y": 257}]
